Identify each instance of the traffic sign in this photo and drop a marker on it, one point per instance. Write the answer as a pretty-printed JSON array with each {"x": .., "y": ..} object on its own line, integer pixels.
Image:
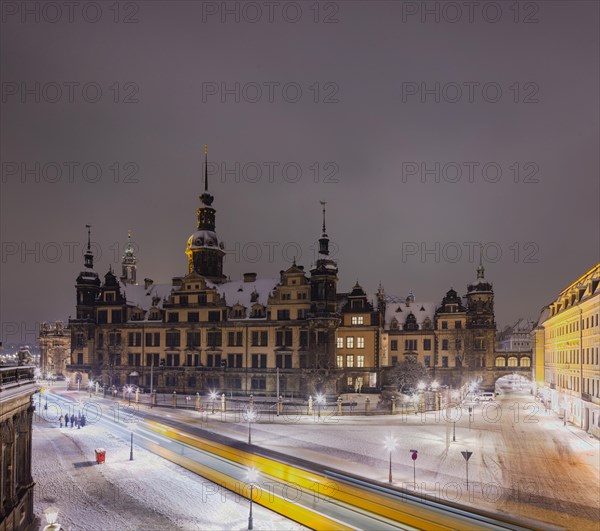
[
  {"x": 415, "y": 454},
  {"x": 467, "y": 455}
]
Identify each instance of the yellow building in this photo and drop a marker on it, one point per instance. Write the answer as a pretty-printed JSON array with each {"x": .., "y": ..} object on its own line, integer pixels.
[{"x": 568, "y": 335}]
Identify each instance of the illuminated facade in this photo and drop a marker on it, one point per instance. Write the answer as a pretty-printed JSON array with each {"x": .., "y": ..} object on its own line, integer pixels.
[
  {"x": 296, "y": 332},
  {"x": 55, "y": 348},
  {"x": 568, "y": 335}
]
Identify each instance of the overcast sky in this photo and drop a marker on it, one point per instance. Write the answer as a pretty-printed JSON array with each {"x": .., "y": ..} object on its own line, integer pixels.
[{"x": 355, "y": 103}]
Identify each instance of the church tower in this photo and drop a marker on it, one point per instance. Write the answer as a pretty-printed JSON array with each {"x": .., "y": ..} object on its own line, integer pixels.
[
  {"x": 323, "y": 317},
  {"x": 204, "y": 250},
  {"x": 480, "y": 301},
  {"x": 480, "y": 321},
  {"x": 129, "y": 263},
  {"x": 87, "y": 284}
]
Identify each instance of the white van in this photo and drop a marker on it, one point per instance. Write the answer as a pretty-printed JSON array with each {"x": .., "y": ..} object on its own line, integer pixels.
[{"x": 485, "y": 397}]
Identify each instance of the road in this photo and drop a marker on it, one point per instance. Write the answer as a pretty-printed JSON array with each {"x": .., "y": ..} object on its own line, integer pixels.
[{"x": 524, "y": 463}]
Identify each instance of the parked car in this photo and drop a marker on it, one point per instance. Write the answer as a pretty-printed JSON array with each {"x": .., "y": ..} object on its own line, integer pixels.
[{"x": 485, "y": 397}]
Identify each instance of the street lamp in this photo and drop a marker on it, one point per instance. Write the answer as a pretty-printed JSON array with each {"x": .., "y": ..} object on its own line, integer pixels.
[
  {"x": 131, "y": 445},
  {"x": 213, "y": 396},
  {"x": 421, "y": 386},
  {"x": 251, "y": 416},
  {"x": 434, "y": 385},
  {"x": 320, "y": 399},
  {"x": 51, "y": 515},
  {"x": 251, "y": 477},
  {"x": 390, "y": 443}
]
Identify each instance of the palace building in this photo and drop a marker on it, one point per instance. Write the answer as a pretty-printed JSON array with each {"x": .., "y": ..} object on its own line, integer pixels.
[
  {"x": 296, "y": 332},
  {"x": 567, "y": 344}
]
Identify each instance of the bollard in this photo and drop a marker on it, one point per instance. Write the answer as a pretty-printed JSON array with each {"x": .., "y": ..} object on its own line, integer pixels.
[
  {"x": 197, "y": 401},
  {"x": 175, "y": 399},
  {"x": 310, "y": 405},
  {"x": 393, "y": 405},
  {"x": 367, "y": 405},
  {"x": 339, "y": 404},
  {"x": 137, "y": 396},
  {"x": 223, "y": 403}
]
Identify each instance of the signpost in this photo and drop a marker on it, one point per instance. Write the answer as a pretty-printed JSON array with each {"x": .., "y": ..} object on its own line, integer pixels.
[
  {"x": 467, "y": 455},
  {"x": 414, "y": 455}
]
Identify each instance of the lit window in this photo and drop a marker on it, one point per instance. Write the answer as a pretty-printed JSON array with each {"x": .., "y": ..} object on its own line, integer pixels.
[
  {"x": 340, "y": 362},
  {"x": 340, "y": 342},
  {"x": 360, "y": 361},
  {"x": 360, "y": 342},
  {"x": 357, "y": 320},
  {"x": 350, "y": 342},
  {"x": 350, "y": 360}
]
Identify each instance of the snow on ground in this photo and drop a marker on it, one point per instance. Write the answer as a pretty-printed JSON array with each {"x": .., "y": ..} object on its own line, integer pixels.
[
  {"x": 148, "y": 493},
  {"x": 525, "y": 463}
]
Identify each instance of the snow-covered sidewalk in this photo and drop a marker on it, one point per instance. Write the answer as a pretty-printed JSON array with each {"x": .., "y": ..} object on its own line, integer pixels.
[{"x": 148, "y": 493}]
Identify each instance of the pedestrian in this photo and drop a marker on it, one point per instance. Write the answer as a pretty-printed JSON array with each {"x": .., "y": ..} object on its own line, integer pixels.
[
  {"x": 72, "y": 420},
  {"x": 83, "y": 421},
  {"x": 60, "y": 420},
  {"x": 66, "y": 421}
]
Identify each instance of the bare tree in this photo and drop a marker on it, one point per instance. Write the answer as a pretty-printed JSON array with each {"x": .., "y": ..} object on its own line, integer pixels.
[{"x": 407, "y": 375}]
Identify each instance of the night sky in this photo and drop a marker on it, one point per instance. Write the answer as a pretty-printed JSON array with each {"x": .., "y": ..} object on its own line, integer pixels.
[{"x": 355, "y": 103}]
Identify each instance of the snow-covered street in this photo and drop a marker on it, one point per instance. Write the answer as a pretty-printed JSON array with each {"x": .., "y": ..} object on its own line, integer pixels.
[
  {"x": 525, "y": 463},
  {"x": 148, "y": 493}
]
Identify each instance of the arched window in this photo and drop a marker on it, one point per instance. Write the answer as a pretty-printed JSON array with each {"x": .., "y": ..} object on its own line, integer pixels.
[
  {"x": 525, "y": 361},
  {"x": 500, "y": 362},
  {"x": 513, "y": 361}
]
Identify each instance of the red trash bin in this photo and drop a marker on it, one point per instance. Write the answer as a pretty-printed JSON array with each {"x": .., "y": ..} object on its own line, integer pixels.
[{"x": 100, "y": 455}]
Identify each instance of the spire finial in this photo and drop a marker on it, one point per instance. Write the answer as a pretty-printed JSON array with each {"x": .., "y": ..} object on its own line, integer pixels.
[
  {"x": 88, "y": 227},
  {"x": 323, "y": 203},
  {"x": 129, "y": 234},
  {"x": 480, "y": 269},
  {"x": 206, "y": 167}
]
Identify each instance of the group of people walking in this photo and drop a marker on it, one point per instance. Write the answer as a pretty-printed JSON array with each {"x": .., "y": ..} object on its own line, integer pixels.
[{"x": 78, "y": 421}]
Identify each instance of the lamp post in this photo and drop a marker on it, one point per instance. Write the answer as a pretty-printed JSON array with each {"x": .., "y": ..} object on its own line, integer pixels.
[
  {"x": 251, "y": 417},
  {"x": 251, "y": 477},
  {"x": 390, "y": 443},
  {"x": 213, "y": 396},
  {"x": 51, "y": 515},
  {"x": 320, "y": 400},
  {"x": 131, "y": 447}
]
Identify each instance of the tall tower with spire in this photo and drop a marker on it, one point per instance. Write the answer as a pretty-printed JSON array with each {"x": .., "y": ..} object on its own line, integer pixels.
[
  {"x": 129, "y": 263},
  {"x": 204, "y": 250},
  {"x": 87, "y": 284},
  {"x": 480, "y": 300},
  {"x": 324, "y": 317}
]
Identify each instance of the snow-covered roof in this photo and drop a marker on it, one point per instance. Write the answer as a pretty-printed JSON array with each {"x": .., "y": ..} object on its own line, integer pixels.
[
  {"x": 240, "y": 292},
  {"x": 137, "y": 294},
  {"x": 400, "y": 311},
  {"x": 204, "y": 239}
]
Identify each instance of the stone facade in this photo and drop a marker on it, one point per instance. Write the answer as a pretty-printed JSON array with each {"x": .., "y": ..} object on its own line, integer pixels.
[
  {"x": 17, "y": 386},
  {"x": 568, "y": 337},
  {"x": 55, "y": 348},
  {"x": 204, "y": 332}
]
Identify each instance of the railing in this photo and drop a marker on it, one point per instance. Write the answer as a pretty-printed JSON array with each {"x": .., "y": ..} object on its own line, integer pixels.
[{"x": 16, "y": 376}]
